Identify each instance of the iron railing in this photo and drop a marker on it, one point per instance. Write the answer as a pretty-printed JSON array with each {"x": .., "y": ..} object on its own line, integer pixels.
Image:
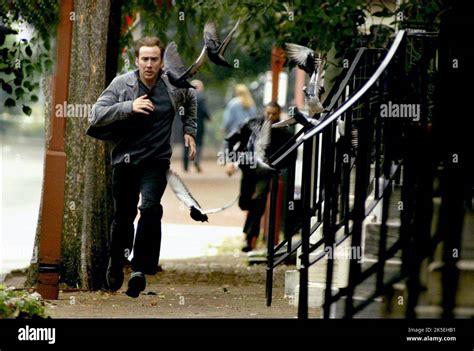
[{"x": 361, "y": 148}]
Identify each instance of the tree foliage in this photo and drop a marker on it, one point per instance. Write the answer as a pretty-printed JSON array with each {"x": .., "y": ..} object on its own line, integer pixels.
[
  {"x": 22, "y": 60},
  {"x": 320, "y": 24},
  {"x": 317, "y": 24}
]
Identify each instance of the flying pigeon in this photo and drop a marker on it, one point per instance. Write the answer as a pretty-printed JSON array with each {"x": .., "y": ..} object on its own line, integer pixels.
[
  {"x": 296, "y": 116},
  {"x": 175, "y": 69},
  {"x": 306, "y": 59},
  {"x": 258, "y": 144},
  {"x": 4, "y": 31},
  {"x": 216, "y": 48},
  {"x": 312, "y": 93},
  {"x": 185, "y": 196}
]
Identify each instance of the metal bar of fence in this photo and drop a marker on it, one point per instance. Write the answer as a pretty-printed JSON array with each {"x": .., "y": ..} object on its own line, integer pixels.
[
  {"x": 362, "y": 176},
  {"x": 290, "y": 205},
  {"x": 315, "y": 176},
  {"x": 328, "y": 216},
  {"x": 271, "y": 237},
  {"x": 345, "y": 206},
  {"x": 305, "y": 232}
]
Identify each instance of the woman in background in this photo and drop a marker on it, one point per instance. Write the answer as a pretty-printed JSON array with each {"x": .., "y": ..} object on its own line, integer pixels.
[{"x": 238, "y": 109}]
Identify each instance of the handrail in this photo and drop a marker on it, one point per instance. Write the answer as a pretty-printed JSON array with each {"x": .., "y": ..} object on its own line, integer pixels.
[
  {"x": 383, "y": 65},
  {"x": 334, "y": 97},
  {"x": 327, "y": 181},
  {"x": 332, "y": 117},
  {"x": 343, "y": 83}
]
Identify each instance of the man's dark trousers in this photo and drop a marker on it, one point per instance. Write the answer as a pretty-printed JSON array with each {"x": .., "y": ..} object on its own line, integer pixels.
[
  {"x": 254, "y": 189},
  {"x": 128, "y": 181}
]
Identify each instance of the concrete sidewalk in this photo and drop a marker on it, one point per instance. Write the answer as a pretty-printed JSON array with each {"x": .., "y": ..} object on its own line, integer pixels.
[{"x": 222, "y": 286}]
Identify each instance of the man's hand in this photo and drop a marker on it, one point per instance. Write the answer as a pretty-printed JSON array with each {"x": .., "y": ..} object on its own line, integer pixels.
[
  {"x": 230, "y": 169},
  {"x": 191, "y": 144},
  {"x": 142, "y": 105}
]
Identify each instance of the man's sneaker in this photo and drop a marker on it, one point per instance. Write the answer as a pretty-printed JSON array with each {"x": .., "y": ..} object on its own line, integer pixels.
[
  {"x": 136, "y": 284},
  {"x": 114, "y": 276}
]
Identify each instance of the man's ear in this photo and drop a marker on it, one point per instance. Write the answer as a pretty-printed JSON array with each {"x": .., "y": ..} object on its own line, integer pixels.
[{"x": 136, "y": 61}]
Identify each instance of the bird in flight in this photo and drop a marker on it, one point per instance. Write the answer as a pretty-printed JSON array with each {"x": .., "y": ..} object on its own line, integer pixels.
[
  {"x": 296, "y": 116},
  {"x": 216, "y": 48},
  {"x": 184, "y": 195},
  {"x": 313, "y": 65},
  {"x": 175, "y": 69}
]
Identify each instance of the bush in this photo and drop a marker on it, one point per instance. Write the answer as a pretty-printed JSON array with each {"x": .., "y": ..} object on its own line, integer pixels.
[{"x": 20, "y": 304}]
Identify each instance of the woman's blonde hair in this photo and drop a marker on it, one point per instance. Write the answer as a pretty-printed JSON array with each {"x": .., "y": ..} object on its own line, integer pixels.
[{"x": 243, "y": 93}]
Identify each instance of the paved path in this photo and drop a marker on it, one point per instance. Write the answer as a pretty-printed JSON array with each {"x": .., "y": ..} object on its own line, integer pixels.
[{"x": 223, "y": 286}]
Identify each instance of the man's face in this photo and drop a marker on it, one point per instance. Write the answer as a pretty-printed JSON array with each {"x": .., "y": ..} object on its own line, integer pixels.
[
  {"x": 272, "y": 114},
  {"x": 149, "y": 62}
]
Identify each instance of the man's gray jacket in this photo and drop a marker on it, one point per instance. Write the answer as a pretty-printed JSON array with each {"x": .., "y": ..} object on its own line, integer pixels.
[{"x": 115, "y": 104}]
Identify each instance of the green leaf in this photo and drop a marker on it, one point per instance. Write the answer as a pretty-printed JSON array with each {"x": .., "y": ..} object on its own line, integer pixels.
[
  {"x": 10, "y": 103},
  {"x": 27, "y": 85},
  {"x": 19, "y": 92},
  {"x": 29, "y": 70},
  {"x": 18, "y": 73},
  {"x": 28, "y": 51},
  {"x": 27, "y": 110},
  {"x": 7, "y": 88}
]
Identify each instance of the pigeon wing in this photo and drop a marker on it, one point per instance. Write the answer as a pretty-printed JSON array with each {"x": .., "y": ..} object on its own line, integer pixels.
[
  {"x": 301, "y": 55},
  {"x": 172, "y": 61},
  {"x": 263, "y": 139},
  {"x": 181, "y": 191},
  {"x": 285, "y": 123},
  {"x": 228, "y": 38},
  {"x": 320, "y": 77},
  {"x": 196, "y": 66},
  {"x": 219, "y": 209},
  {"x": 211, "y": 36}
]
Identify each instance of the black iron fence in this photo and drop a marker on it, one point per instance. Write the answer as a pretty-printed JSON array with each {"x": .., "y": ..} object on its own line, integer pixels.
[{"x": 371, "y": 155}]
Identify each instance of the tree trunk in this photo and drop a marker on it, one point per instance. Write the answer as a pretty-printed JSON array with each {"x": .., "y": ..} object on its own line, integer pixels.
[{"x": 87, "y": 198}]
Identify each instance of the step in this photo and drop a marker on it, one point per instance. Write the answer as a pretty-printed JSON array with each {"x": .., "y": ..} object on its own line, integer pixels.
[
  {"x": 340, "y": 255},
  {"x": 367, "y": 287},
  {"x": 435, "y": 312},
  {"x": 371, "y": 311},
  {"x": 317, "y": 235},
  {"x": 465, "y": 294},
  {"x": 371, "y": 237},
  {"x": 467, "y": 251},
  {"x": 292, "y": 279},
  {"x": 394, "y": 303},
  {"x": 316, "y": 293}
]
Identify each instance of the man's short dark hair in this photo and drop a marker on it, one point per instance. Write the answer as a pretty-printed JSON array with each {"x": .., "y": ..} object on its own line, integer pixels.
[
  {"x": 149, "y": 41},
  {"x": 274, "y": 104}
]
